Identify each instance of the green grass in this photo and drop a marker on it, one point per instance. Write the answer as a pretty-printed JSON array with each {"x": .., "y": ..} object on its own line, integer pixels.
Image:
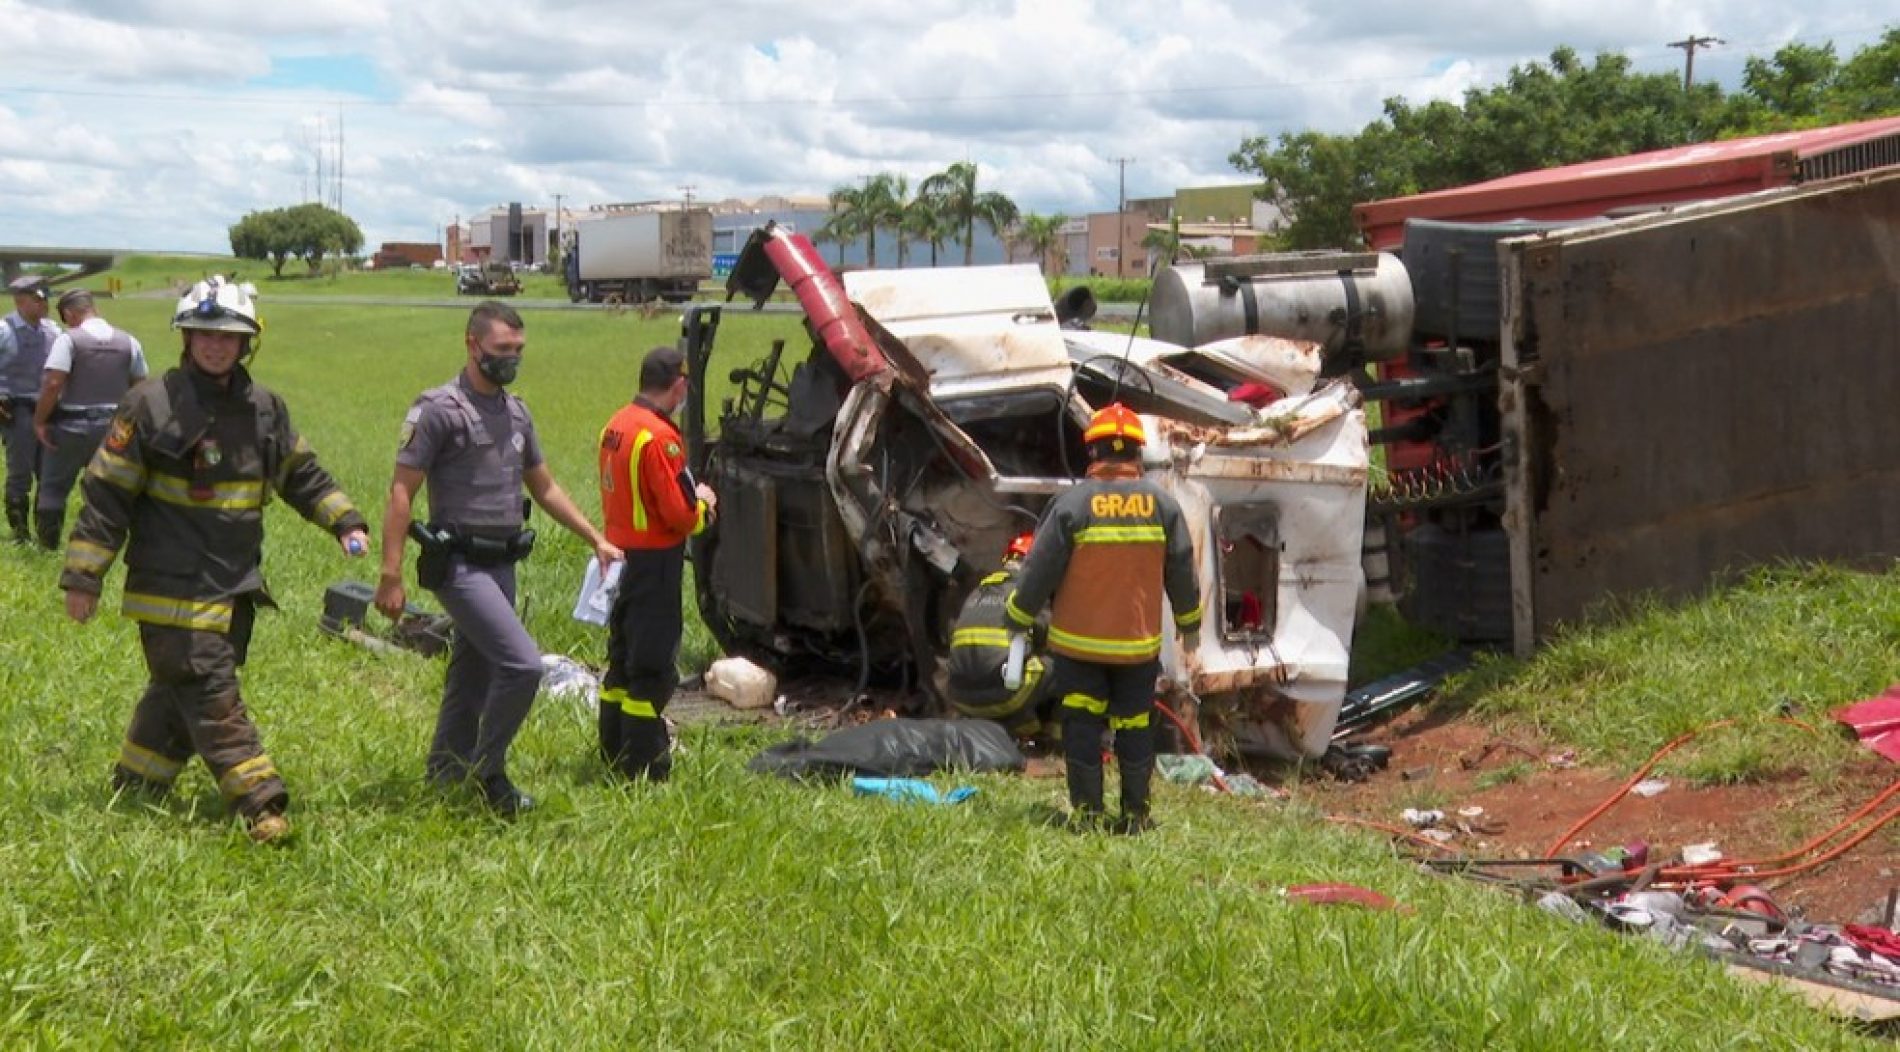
[
  {"x": 723, "y": 910},
  {"x": 1799, "y": 639}
]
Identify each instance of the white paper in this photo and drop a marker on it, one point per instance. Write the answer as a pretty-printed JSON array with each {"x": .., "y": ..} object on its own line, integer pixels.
[{"x": 597, "y": 594}]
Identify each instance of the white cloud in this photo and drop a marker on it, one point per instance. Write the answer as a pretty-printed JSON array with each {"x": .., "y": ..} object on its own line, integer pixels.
[{"x": 175, "y": 123}]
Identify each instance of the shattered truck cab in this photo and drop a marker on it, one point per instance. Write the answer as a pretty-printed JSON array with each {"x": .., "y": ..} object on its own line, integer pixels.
[{"x": 865, "y": 491}]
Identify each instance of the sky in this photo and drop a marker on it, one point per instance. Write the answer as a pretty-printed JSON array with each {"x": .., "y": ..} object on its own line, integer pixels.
[{"x": 136, "y": 124}]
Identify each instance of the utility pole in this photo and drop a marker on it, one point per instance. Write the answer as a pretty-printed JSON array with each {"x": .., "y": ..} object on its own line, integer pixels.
[
  {"x": 687, "y": 192},
  {"x": 1121, "y": 211},
  {"x": 1689, "y": 46},
  {"x": 560, "y": 246}
]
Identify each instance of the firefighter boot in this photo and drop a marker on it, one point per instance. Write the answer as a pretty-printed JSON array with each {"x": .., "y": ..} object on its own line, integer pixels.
[
  {"x": 1135, "y": 759},
  {"x": 1082, "y": 763},
  {"x": 17, "y": 522},
  {"x": 269, "y": 828},
  {"x": 49, "y": 523}
]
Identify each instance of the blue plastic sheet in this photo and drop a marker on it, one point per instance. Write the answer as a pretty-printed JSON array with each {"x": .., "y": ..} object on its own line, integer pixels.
[{"x": 910, "y": 789}]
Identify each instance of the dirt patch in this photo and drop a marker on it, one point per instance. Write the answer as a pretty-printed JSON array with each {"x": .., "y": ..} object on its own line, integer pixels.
[{"x": 1530, "y": 795}]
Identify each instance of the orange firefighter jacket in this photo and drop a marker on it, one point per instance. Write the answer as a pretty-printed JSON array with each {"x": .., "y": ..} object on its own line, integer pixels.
[
  {"x": 646, "y": 492},
  {"x": 1105, "y": 552}
]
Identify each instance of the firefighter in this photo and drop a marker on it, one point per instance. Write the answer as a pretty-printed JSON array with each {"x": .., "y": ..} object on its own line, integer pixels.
[
  {"x": 473, "y": 445},
  {"x": 88, "y": 371},
  {"x": 652, "y": 505},
  {"x": 180, "y": 482},
  {"x": 979, "y": 651},
  {"x": 26, "y": 337},
  {"x": 1106, "y": 551}
]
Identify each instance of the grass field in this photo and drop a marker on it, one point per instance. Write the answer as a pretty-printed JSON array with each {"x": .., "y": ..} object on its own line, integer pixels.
[{"x": 726, "y": 910}]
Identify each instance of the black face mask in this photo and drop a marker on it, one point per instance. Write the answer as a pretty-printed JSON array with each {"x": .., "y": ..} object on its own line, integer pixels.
[{"x": 499, "y": 369}]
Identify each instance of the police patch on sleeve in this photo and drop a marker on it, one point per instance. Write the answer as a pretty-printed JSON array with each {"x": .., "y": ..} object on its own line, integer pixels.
[
  {"x": 521, "y": 441},
  {"x": 120, "y": 436},
  {"x": 409, "y": 427}
]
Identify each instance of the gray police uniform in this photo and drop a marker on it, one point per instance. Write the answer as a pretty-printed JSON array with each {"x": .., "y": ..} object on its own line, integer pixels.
[
  {"x": 23, "y": 350},
  {"x": 103, "y": 369},
  {"x": 474, "y": 451}
]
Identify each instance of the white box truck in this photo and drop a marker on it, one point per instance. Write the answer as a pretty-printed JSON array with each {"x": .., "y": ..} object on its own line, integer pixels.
[{"x": 635, "y": 257}]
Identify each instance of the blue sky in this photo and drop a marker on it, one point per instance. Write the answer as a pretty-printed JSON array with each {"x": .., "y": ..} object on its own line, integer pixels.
[
  {"x": 175, "y": 127},
  {"x": 353, "y": 75}
]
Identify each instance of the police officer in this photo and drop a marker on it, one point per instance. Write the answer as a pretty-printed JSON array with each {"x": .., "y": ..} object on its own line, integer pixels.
[
  {"x": 1105, "y": 552},
  {"x": 88, "y": 371},
  {"x": 652, "y": 505},
  {"x": 473, "y": 444},
  {"x": 179, "y": 482},
  {"x": 26, "y": 335},
  {"x": 979, "y": 652}
]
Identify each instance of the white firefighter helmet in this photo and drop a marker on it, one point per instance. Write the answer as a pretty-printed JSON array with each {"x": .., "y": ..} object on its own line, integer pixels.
[{"x": 219, "y": 305}]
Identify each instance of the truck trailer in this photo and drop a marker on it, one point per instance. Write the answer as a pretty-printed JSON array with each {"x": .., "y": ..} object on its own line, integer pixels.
[{"x": 639, "y": 256}]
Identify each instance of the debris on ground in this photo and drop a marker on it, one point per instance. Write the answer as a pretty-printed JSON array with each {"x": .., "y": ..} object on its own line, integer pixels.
[
  {"x": 911, "y": 790},
  {"x": 741, "y": 683},
  {"x": 899, "y": 748},
  {"x": 567, "y": 679},
  {"x": 1342, "y": 895},
  {"x": 1876, "y": 722},
  {"x": 346, "y": 608}
]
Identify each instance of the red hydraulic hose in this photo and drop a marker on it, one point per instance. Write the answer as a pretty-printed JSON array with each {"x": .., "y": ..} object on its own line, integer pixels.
[
  {"x": 1641, "y": 772},
  {"x": 1804, "y": 849},
  {"x": 1194, "y": 742}
]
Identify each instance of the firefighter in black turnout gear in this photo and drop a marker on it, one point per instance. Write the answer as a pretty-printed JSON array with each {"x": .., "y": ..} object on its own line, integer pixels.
[
  {"x": 180, "y": 483},
  {"x": 979, "y": 653},
  {"x": 1106, "y": 551}
]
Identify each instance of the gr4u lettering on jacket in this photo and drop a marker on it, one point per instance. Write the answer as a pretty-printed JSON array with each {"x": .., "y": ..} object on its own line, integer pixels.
[{"x": 1122, "y": 505}]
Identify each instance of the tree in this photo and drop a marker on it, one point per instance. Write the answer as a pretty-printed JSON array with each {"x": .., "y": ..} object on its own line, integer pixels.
[
  {"x": 838, "y": 229},
  {"x": 1541, "y": 116},
  {"x": 926, "y": 223},
  {"x": 883, "y": 205},
  {"x": 956, "y": 196},
  {"x": 861, "y": 210},
  {"x": 1042, "y": 236},
  {"x": 1869, "y": 84},
  {"x": 306, "y": 231}
]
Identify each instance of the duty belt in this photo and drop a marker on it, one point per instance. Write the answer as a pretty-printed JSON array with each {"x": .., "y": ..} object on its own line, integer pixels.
[
  {"x": 89, "y": 413},
  {"x": 479, "y": 549}
]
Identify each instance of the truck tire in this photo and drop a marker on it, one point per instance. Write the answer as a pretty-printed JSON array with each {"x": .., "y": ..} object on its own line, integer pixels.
[{"x": 1442, "y": 257}]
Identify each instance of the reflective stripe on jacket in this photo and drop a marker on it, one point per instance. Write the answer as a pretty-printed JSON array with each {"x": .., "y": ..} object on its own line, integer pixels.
[
  {"x": 647, "y": 494},
  {"x": 180, "y": 482},
  {"x": 979, "y": 647},
  {"x": 1103, "y": 555}
]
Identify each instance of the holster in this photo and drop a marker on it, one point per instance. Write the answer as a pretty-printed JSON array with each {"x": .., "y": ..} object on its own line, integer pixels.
[
  {"x": 437, "y": 544},
  {"x": 432, "y": 558}
]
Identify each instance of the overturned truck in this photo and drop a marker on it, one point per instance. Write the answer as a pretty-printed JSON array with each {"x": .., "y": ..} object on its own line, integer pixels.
[{"x": 869, "y": 484}]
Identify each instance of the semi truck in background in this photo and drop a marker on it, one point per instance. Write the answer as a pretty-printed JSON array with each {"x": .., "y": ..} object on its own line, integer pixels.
[{"x": 639, "y": 255}]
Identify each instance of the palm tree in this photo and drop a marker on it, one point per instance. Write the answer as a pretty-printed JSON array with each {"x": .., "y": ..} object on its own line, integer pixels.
[
  {"x": 954, "y": 189},
  {"x": 838, "y": 229},
  {"x": 1042, "y": 236},
  {"x": 884, "y": 207},
  {"x": 862, "y": 209},
  {"x": 924, "y": 222}
]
